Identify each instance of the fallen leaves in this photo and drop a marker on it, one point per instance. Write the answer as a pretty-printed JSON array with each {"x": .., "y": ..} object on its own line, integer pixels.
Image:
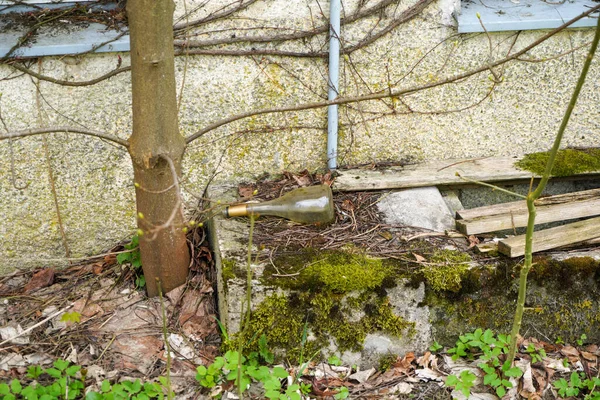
[{"x": 39, "y": 280}]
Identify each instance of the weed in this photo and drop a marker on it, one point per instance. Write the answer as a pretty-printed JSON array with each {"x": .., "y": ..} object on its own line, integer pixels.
[
  {"x": 225, "y": 369},
  {"x": 73, "y": 317},
  {"x": 537, "y": 355},
  {"x": 488, "y": 348},
  {"x": 463, "y": 383},
  {"x": 334, "y": 360},
  {"x": 578, "y": 387},
  {"x": 435, "y": 347},
  {"x": 67, "y": 382},
  {"x": 582, "y": 339},
  {"x": 133, "y": 257},
  {"x": 343, "y": 393}
]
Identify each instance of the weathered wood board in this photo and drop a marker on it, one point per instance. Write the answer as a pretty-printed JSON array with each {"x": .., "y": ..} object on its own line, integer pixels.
[
  {"x": 551, "y": 238},
  {"x": 443, "y": 172},
  {"x": 514, "y": 214}
]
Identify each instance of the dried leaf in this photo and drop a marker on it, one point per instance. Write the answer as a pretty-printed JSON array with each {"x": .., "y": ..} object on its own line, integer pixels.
[
  {"x": 245, "y": 191},
  {"x": 325, "y": 179},
  {"x": 302, "y": 180},
  {"x": 40, "y": 280},
  {"x": 362, "y": 376},
  {"x": 419, "y": 258},
  {"x": 571, "y": 353},
  {"x": 97, "y": 268},
  {"x": 348, "y": 205},
  {"x": 110, "y": 259},
  {"x": 589, "y": 356},
  {"x": 424, "y": 360},
  {"x": 473, "y": 241}
]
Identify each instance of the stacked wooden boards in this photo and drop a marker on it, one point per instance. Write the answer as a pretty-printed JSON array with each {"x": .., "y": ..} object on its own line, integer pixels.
[{"x": 513, "y": 215}]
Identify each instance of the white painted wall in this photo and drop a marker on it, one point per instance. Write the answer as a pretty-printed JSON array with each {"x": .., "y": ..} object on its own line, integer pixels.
[{"x": 94, "y": 179}]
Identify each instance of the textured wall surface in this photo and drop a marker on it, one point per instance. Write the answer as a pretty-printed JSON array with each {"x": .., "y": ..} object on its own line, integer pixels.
[{"x": 93, "y": 178}]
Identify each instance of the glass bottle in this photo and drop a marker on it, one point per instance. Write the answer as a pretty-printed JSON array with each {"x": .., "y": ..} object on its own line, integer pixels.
[{"x": 307, "y": 205}]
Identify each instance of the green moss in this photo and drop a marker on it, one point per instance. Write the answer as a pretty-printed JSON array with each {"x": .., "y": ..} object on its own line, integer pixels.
[
  {"x": 386, "y": 361},
  {"x": 279, "y": 321},
  {"x": 383, "y": 319},
  {"x": 448, "y": 269},
  {"x": 340, "y": 295},
  {"x": 568, "y": 162},
  {"x": 228, "y": 271},
  {"x": 337, "y": 271}
]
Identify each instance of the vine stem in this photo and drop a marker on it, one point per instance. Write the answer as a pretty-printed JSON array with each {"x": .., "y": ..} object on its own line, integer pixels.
[
  {"x": 166, "y": 338},
  {"x": 533, "y": 196},
  {"x": 245, "y": 323}
]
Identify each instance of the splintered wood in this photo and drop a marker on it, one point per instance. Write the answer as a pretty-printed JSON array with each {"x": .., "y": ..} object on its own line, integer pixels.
[
  {"x": 432, "y": 173},
  {"x": 514, "y": 214},
  {"x": 548, "y": 209}
]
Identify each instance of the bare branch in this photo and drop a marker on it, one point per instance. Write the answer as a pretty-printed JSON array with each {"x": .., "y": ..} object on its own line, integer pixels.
[
  {"x": 392, "y": 93},
  {"x": 66, "y": 129},
  {"x": 405, "y": 16},
  {"x": 212, "y": 17},
  {"x": 41, "y": 77}
]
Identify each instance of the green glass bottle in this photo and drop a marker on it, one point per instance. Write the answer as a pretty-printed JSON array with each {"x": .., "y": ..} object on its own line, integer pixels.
[{"x": 307, "y": 205}]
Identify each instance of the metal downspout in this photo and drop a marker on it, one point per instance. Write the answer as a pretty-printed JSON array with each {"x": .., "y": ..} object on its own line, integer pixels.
[{"x": 332, "y": 93}]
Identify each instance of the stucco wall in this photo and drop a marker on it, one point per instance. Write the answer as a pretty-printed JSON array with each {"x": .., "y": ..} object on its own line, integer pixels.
[{"x": 94, "y": 178}]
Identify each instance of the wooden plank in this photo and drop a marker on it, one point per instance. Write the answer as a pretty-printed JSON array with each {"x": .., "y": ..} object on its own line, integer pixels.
[
  {"x": 518, "y": 218},
  {"x": 487, "y": 247},
  {"x": 517, "y": 206},
  {"x": 551, "y": 238},
  {"x": 432, "y": 173}
]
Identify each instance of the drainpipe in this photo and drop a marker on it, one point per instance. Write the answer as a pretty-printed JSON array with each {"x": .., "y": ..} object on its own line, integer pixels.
[{"x": 334, "y": 72}]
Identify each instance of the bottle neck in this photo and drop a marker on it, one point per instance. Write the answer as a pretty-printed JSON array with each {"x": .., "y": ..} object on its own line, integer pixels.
[{"x": 265, "y": 208}]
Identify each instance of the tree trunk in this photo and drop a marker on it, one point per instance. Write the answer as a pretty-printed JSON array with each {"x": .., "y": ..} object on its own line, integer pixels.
[{"x": 156, "y": 140}]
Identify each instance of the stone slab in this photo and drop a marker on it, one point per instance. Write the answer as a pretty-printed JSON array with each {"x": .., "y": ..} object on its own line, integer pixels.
[{"x": 419, "y": 207}]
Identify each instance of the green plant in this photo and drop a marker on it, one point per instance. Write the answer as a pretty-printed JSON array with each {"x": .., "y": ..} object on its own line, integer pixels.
[
  {"x": 435, "y": 347},
  {"x": 479, "y": 342},
  {"x": 576, "y": 386},
  {"x": 225, "y": 369},
  {"x": 463, "y": 383},
  {"x": 334, "y": 360},
  {"x": 73, "y": 317},
  {"x": 488, "y": 348},
  {"x": 343, "y": 393},
  {"x": 133, "y": 390},
  {"x": 537, "y": 355},
  {"x": 64, "y": 381},
  {"x": 582, "y": 339},
  {"x": 497, "y": 381},
  {"x": 133, "y": 257}
]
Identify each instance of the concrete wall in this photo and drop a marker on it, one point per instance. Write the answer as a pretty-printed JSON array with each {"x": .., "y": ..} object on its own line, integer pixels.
[{"x": 94, "y": 179}]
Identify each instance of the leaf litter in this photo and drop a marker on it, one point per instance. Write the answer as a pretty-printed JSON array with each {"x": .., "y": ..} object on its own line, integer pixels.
[{"x": 119, "y": 334}]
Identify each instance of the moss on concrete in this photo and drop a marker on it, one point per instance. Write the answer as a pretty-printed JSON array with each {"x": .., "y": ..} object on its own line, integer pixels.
[
  {"x": 337, "y": 295},
  {"x": 563, "y": 299},
  {"x": 446, "y": 270},
  {"x": 568, "y": 162},
  {"x": 336, "y": 271}
]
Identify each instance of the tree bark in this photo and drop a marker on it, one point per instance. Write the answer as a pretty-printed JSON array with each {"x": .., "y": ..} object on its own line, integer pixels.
[{"x": 155, "y": 140}]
